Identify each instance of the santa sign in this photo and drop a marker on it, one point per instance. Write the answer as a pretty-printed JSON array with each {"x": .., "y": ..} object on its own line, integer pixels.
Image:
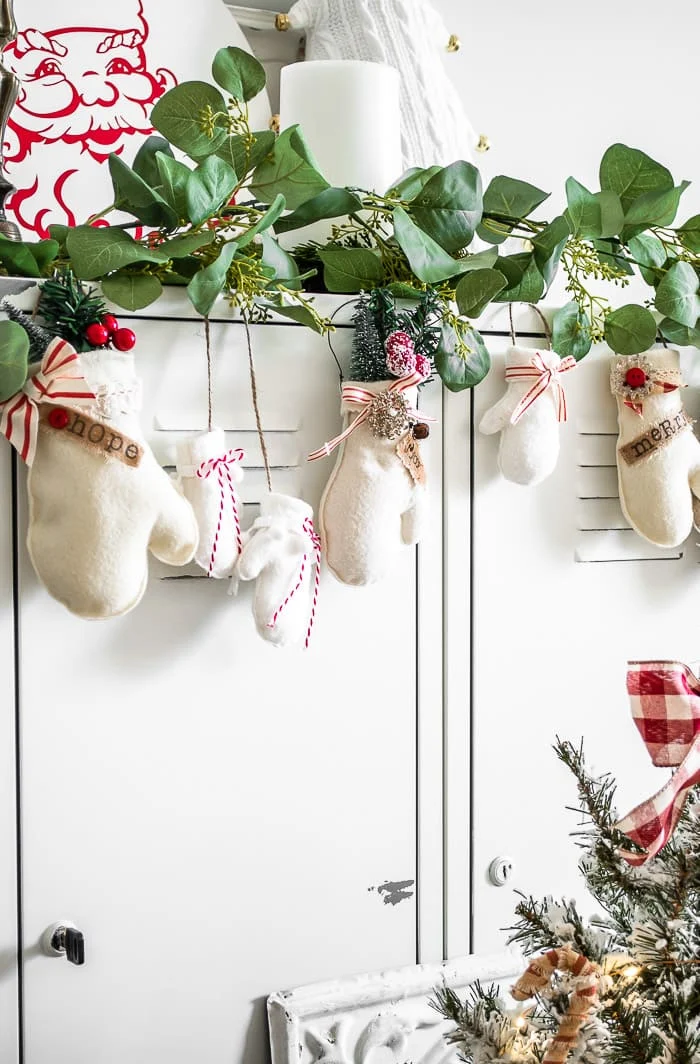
[{"x": 89, "y": 74}]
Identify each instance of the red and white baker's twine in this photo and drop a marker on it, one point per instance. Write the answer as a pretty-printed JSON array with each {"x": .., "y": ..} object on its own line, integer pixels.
[
  {"x": 544, "y": 377},
  {"x": 222, "y": 467},
  {"x": 315, "y": 542},
  {"x": 58, "y": 379},
  {"x": 363, "y": 398}
]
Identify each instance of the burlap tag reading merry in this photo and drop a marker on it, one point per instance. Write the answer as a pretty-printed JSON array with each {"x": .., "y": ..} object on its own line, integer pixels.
[{"x": 655, "y": 437}]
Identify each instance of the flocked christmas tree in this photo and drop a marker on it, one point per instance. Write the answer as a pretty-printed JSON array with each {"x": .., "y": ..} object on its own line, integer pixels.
[{"x": 645, "y": 945}]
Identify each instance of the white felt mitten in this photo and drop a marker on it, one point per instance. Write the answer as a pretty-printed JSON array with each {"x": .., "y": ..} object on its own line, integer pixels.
[
  {"x": 658, "y": 457},
  {"x": 281, "y": 553},
  {"x": 372, "y": 504},
  {"x": 209, "y": 474},
  {"x": 98, "y": 500},
  {"x": 528, "y": 415}
]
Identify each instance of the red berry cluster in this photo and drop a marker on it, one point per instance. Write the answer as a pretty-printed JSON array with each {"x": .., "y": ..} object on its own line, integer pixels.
[{"x": 107, "y": 332}]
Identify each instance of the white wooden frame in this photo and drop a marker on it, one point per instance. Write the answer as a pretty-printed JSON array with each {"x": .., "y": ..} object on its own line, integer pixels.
[{"x": 342, "y": 1022}]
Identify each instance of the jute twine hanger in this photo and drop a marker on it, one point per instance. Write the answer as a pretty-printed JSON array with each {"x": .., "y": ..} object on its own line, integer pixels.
[{"x": 540, "y": 315}]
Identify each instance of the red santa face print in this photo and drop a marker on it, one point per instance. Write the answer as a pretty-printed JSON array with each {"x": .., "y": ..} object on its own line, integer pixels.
[{"x": 84, "y": 92}]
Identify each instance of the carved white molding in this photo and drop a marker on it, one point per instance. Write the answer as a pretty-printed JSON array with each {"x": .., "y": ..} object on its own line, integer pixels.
[{"x": 377, "y": 1018}]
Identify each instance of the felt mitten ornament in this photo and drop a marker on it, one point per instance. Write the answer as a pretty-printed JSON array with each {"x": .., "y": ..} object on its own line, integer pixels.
[
  {"x": 98, "y": 500},
  {"x": 529, "y": 414},
  {"x": 375, "y": 497},
  {"x": 209, "y": 474},
  {"x": 282, "y": 553},
  {"x": 658, "y": 457}
]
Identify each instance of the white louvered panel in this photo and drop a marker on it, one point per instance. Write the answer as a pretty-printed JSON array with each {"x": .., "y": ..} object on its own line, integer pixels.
[{"x": 597, "y": 482}]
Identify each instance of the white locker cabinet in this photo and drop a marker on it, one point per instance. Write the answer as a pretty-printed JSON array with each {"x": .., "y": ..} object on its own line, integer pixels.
[{"x": 218, "y": 817}]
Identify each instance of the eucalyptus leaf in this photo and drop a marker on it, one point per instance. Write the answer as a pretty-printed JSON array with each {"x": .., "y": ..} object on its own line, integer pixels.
[
  {"x": 179, "y": 116},
  {"x": 583, "y": 210},
  {"x": 208, "y": 284},
  {"x": 244, "y": 154},
  {"x": 653, "y": 208},
  {"x": 476, "y": 290},
  {"x": 631, "y": 173},
  {"x": 18, "y": 259},
  {"x": 428, "y": 260},
  {"x": 97, "y": 252},
  {"x": 449, "y": 206},
  {"x": 59, "y": 233},
  {"x": 331, "y": 203},
  {"x": 613, "y": 255},
  {"x": 44, "y": 252},
  {"x": 525, "y": 282},
  {"x": 459, "y": 372},
  {"x": 612, "y": 216},
  {"x": 677, "y": 295},
  {"x": 571, "y": 332},
  {"x": 14, "y": 358},
  {"x": 180, "y": 247},
  {"x": 283, "y": 266},
  {"x": 493, "y": 232},
  {"x": 410, "y": 184},
  {"x": 401, "y": 290},
  {"x": 300, "y": 314},
  {"x": 145, "y": 162},
  {"x": 238, "y": 73},
  {"x": 208, "y": 188},
  {"x": 133, "y": 195},
  {"x": 290, "y": 170},
  {"x": 548, "y": 246},
  {"x": 350, "y": 269},
  {"x": 650, "y": 255},
  {"x": 132, "y": 291},
  {"x": 174, "y": 177},
  {"x": 509, "y": 196},
  {"x": 630, "y": 329},
  {"x": 480, "y": 260},
  {"x": 268, "y": 219},
  {"x": 679, "y": 334},
  {"x": 689, "y": 234}
]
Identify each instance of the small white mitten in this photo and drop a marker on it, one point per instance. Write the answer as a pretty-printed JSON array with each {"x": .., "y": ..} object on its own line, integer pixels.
[
  {"x": 98, "y": 500},
  {"x": 282, "y": 553},
  {"x": 372, "y": 503},
  {"x": 528, "y": 415},
  {"x": 658, "y": 457},
  {"x": 209, "y": 474}
]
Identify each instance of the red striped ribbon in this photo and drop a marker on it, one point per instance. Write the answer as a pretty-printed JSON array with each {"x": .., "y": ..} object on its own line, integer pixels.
[
  {"x": 545, "y": 376},
  {"x": 314, "y": 539},
  {"x": 222, "y": 467},
  {"x": 357, "y": 396},
  {"x": 59, "y": 379}
]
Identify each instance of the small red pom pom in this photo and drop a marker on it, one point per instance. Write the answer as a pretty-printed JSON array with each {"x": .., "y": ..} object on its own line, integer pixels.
[
  {"x": 97, "y": 334},
  {"x": 635, "y": 377},
  {"x": 124, "y": 339},
  {"x": 58, "y": 418},
  {"x": 110, "y": 323}
]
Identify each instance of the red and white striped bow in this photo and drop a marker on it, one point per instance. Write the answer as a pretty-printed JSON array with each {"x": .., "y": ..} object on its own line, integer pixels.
[
  {"x": 222, "y": 467},
  {"x": 665, "y": 697},
  {"x": 315, "y": 542},
  {"x": 545, "y": 372},
  {"x": 357, "y": 396},
  {"x": 59, "y": 379}
]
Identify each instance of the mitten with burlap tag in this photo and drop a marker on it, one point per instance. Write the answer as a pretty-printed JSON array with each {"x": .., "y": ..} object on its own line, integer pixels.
[
  {"x": 98, "y": 500},
  {"x": 375, "y": 498},
  {"x": 658, "y": 456},
  {"x": 282, "y": 553},
  {"x": 529, "y": 414}
]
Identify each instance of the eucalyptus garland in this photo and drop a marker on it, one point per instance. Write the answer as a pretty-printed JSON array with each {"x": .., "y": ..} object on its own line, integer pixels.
[{"x": 212, "y": 226}]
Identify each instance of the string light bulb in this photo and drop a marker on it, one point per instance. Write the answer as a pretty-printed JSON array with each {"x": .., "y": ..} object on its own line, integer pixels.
[
  {"x": 520, "y": 1022},
  {"x": 631, "y": 971}
]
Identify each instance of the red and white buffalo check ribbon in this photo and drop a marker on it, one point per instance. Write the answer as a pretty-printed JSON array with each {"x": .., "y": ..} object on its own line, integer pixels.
[
  {"x": 58, "y": 380},
  {"x": 544, "y": 371},
  {"x": 222, "y": 467},
  {"x": 665, "y": 698},
  {"x": 315, "y": 544},
  {"x": 357, "y": 396}
]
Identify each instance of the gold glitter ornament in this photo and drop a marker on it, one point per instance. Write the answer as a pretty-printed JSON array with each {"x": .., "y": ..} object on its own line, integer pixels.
[{"x": 388, "y": 415}]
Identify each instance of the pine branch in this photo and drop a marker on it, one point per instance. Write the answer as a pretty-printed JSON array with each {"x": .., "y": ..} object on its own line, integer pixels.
[{"x": 39, "y": 338}]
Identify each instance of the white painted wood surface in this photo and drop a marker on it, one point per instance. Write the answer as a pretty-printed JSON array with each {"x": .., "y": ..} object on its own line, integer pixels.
[
  {"x": 217, "y": 816},
  {"x": 559, "y": 608},
  {"x": 384, "y": 1015}
]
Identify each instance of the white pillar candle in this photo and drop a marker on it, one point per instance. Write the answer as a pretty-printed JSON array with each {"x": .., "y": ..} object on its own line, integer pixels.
[{"x": 350, "y": 116}]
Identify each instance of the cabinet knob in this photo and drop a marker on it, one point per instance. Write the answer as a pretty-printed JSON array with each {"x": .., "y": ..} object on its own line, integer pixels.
[
  {"x": 500, "y": 871},
  {"x": 64, "y": 939}
]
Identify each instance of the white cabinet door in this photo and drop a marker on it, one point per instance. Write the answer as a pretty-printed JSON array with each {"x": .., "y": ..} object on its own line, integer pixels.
[
  {"x": 564, "y": 594},
  {"x": 218, "y": 817}
]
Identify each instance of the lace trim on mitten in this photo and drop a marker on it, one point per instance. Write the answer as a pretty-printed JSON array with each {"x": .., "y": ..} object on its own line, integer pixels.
[{"x": 115, "y": 399}]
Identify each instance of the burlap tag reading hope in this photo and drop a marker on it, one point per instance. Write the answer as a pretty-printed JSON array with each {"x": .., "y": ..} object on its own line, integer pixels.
[{"x": 94, "y": 435}]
